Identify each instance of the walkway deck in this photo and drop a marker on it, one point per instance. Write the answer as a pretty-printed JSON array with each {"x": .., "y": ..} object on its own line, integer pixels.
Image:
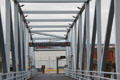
[{"x": 51, "y": 77}]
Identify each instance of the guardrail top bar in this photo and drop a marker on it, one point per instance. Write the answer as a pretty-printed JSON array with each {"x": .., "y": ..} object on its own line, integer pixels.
[{"x": 51, "y": 1}]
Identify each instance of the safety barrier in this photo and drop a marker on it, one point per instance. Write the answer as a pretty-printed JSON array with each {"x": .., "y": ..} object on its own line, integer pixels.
[
  {"x": 93, "y": 75},
  {"x": 23, "y": 75}
]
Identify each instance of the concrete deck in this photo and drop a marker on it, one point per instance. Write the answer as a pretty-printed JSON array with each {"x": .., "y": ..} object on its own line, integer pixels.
[{"x": 50, "y": 77}]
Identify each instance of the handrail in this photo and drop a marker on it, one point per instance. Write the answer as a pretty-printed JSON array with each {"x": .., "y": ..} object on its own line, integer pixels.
[
  {"x": 92, "y": 74},
  {"x": 22, "y": 75}
]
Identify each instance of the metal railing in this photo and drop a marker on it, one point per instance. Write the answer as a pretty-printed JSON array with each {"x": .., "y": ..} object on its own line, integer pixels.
[
  {"x": 23, "y": 75},
  {"x": 92, "y": 75}
]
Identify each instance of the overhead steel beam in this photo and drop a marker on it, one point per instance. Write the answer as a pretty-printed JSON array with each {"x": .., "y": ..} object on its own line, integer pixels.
[
  {"x": 47, "y": 44},
  {"x": 50, "y": 20},
  {"x": 51, "y": 1},
  {"x": 52, "y": 12},
  {"x": 82, "y": 9},
  {"x": 50, "y": 35},
  {"x": 48, "y": 26},
  {"x": 48, "y": 38},
  {"x": 33, "y": 31}
]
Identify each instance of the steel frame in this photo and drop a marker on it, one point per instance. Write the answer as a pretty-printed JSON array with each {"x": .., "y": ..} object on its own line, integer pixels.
[{"x": 16, "y": 38}]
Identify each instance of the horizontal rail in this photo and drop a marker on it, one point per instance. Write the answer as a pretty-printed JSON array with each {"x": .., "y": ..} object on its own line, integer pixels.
[
  {"x": 93, "y": 74},
  {"x": 22, "y": 75}
]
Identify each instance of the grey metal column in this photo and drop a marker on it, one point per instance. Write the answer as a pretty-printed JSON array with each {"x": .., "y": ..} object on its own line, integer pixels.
[
  {"x": 23, "y": 46},
  {"x": 7, "y": 31},
  {"x": 15, "y": 31},
  {"x": 75, "y": 47},
  {"x": 71, "y": 51},
  {"x": 26, "y": 47},
  {"x": 12, "y": 43},
  {"x": 84, "y": 45},
  {"x": 20, "y": 40},
  {"x": 68, "y": 56},
  {"x": 93, "y": 42},
  {"x": 98, "y": 25},
  {"x": 2, "y": 46},
  {"x": 108, "y": 35},
  {"x": 117, "y": 35},
  {"x": 80, "y": 41},
  {"x": 87, "y": 33}
]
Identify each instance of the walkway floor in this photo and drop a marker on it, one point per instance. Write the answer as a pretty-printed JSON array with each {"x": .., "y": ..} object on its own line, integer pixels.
[{"x": 51, "y": 77}]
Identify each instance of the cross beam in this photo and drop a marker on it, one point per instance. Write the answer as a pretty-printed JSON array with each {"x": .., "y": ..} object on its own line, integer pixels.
[
  {"x": 51, "y": 38},
  {"x": 50, "y": 20},
  {"x": 33, "y": 31},
  {"x": 51, "y": 1},
  {"x": 47, "y": 44},
  {"x": 52, "y": 12},
  {"x": 45, "y": 34},
  {"x": 49, "y": 26}
]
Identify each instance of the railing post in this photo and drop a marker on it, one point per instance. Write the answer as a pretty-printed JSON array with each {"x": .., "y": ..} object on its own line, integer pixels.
[{"x": 112, "y": 76}]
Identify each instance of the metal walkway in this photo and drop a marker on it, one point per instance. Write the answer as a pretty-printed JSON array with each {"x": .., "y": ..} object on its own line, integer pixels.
[
  {"x": 51, "y": 77},
  {"x": 85, "y": 32}
]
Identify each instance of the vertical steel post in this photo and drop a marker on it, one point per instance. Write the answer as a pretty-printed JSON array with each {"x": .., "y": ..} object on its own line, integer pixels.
[
  {"x": 15, "y": 33},
  {"x": 20, "y": 50},
  {"x": 117, "y": 35},
  {"x": 2, "y": 46},
  {"x": 26, "y": 46},
  {"x": 80, "y": 41},
  {"x": 84, "y": 45},
  {"x": 108, "y": 35},
  {"x": 98, "y": 25},
  {"x": 7, "y": 31},
  {"x": 87, "y": 33},
  {"x": 93, "y": 41},
  {"x": 77, "y": 45},
  {"x": 23, "y": 46},
  {"x": 74, "y": 48}
]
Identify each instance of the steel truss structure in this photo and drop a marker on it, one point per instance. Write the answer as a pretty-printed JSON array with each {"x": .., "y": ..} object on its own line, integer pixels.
[{"x": 16, "y": 34}]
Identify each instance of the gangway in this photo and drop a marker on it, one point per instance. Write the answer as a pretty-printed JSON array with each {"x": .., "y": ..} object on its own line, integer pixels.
[{"x": 88, "y": 52}]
